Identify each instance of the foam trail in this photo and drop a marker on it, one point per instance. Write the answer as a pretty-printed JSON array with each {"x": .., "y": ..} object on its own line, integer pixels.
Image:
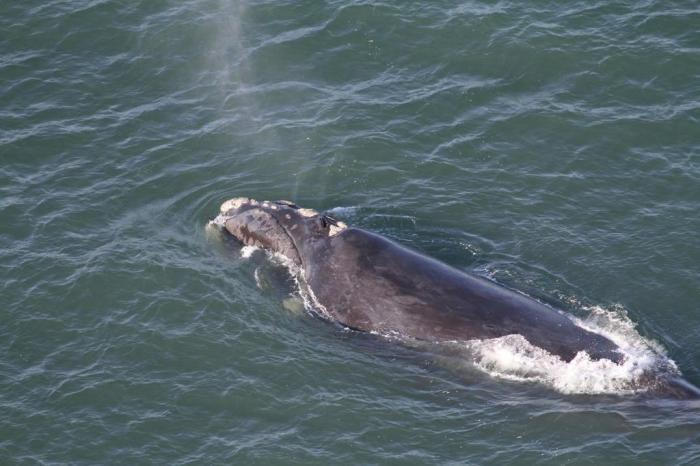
[{"x": 512, "y": 357}]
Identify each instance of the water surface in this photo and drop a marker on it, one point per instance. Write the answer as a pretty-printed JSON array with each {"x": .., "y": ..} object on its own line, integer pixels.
[{"x": 552, "y": 146}]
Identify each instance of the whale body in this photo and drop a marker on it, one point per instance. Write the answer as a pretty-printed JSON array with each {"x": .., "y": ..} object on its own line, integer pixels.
[{"x": 367, "y": 282}]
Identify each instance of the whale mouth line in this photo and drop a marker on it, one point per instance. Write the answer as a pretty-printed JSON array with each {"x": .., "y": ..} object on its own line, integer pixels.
[
  {"x": 297, "y": 252},
  {"x": 292, "y": 251}
]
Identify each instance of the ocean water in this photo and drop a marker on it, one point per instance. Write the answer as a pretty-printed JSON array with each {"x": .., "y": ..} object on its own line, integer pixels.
[{"x": 553, "y": 147}]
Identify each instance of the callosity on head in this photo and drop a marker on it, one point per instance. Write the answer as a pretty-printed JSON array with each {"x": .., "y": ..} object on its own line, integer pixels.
[{"x": 280, "y": 226}]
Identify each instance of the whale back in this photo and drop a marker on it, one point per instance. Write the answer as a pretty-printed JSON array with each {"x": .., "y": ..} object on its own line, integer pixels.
[{"x": 368, "y": 282}]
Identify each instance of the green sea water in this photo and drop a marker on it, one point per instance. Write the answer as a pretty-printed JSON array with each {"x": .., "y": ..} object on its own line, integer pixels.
[{"x": 553, "y": 147}]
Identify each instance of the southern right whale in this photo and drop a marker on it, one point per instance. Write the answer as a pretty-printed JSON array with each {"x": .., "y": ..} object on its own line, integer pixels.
[{"x": 367, "y": 282}]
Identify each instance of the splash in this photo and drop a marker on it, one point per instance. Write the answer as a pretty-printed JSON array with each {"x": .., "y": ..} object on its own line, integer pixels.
[
  {"x": 218, "y": 221},
  {"x": 512, "y": 357},
  {"x": 342, "y": 211},
  {"x": 247, "y": 251},
  {"x": 309, "y": 300}
]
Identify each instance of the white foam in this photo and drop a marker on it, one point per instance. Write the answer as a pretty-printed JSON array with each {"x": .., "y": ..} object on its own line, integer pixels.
[
  {"x": 311, "y": 303},
  {"x": 343, "y": 211},
  {"x": 219, "y": 221},
  {"x": 235, "y": 203},
  {"x": 307, "y": 212},
  {"x": 247, "y": 251},
  {"x": 211, "y": 230},
  {"x": 335, "y": 229},
  {"x": 258, "y": 279},
  {"x": 514, "y": 358}
]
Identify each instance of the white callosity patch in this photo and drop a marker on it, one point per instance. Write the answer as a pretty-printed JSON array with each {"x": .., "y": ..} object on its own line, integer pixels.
[
  {"x": 235, "y": 203},
  {"x": 337, "y": 228},
  {"x": 307, "y": 212},
  {"x": 343, "y": 211}
]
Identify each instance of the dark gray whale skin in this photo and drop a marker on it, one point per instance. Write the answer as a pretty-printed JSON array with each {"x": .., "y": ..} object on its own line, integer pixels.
[{"x": 367, "y": 282}]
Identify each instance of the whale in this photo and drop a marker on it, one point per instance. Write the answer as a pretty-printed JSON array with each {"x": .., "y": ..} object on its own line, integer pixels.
[{"x": 367, "y": 282}]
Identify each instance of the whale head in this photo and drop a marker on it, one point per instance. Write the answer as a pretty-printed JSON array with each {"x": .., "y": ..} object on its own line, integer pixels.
[{"x": 279, "y": 226}]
